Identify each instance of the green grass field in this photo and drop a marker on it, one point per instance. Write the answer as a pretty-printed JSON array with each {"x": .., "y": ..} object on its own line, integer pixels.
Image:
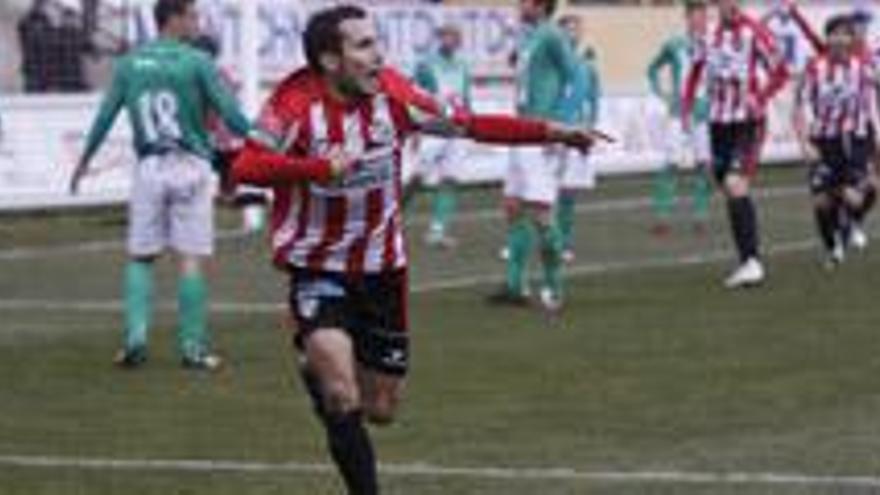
[{"x": 655, "y": 380}]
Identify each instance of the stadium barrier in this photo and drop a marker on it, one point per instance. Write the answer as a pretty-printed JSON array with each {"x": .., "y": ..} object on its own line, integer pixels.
[{"x": 44, "y": 135}]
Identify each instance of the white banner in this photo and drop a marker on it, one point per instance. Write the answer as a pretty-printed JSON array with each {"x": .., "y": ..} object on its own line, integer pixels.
[
  {"x": 43, "y": 135},
  {"x": 405, "y": 31}
]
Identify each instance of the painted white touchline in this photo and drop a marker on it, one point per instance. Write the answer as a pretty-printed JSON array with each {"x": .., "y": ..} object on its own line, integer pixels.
[
  {"x": 24, "y": 253},
  {"x": 114, "y": 305},
  {"x": 624, "y": 204},
  {"x": 411, "y": 470}
]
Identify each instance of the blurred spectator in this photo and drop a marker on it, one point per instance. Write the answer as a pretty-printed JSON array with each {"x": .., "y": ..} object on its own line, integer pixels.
[
  {"x": 53, "y": 45},
  {"x": 33, "y": 30},
  {"x": 71, "y": 46}
]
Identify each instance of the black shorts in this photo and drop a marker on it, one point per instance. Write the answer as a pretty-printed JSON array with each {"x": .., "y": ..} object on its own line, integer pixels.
[
  {"x": 371, "y": 308},
  {"x": 736, "y": 147},
  {"x": 843, "y": 161}
]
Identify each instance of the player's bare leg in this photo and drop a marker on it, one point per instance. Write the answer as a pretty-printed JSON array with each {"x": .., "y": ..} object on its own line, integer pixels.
[
  {"x": 825, "y": 208},
  {"x": 867, "y": 190},
  {"x": 442, "y": 210},
  {"x": 550, "y": 243},
  {"x": 381, "y": 395},
  {"x": 701, "y": 198},
  {"x": 565, "y": 216},
  {"x": 663, "y": 198},
  {"x": 138, "y": 294},
  {"x": 192, "y": 302},
  {"x": 331, "y": 376},
  {"x": 518, "y": 250},
  {"x": 744, "y": 226}
]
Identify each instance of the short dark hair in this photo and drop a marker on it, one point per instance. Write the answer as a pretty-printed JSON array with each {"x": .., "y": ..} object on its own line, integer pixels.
[
  {"x": 837, "y": 22},
  {"x": 322, "y": 34},
  {"x": 207, "y": 44},
  {"x": 692, "y": 5},
  {"x": 549, "y": 6},
  {"x": 569, "y": 19},
  {"x": 166, "y": 9},
  {"x": 861, "y": 17}
]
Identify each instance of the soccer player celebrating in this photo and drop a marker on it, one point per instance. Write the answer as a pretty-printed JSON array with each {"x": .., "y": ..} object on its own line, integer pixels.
[
  {"x": 337, "y": 128},
  {"x": 743, "y": 71},
  {"x": 167, "y": 86},
  {"x": 676, "y": 55},
  {"x": 447, "y": 76},
  {"x": 548, "y": 82},
  {"x": 852, "y": 219},
  {"x": 578, "y": 172},
  {"x": 836, "y": 105}
]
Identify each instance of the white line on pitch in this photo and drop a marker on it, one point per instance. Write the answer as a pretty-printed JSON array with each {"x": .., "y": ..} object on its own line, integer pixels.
[
  {"x": 610, "y": 205},
  {"x": 427, "y": 470},
  {"x": 114, "y": 305}
]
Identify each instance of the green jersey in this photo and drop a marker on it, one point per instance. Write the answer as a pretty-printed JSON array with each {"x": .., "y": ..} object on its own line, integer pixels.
[
  {"x": 548, "y": 79},
  {"x": 447, "y": 77},
  {"x": 676, "y": 54},
  {"x": 167, "y": 89}
]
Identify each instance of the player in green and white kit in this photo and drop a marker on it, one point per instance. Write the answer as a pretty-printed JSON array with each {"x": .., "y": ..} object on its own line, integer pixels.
[
  {"x": 548, "y": 81},
  {"x": 446, "y": 75},
  {"x": 167, "y": 87},
  {"x": 579, "y": 173},
  {"x": 680, "y": 148}
]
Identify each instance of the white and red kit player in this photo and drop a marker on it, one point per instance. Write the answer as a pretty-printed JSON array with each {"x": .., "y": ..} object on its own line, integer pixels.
[
  {"x": 743, "y": 71},
  {"x": 860, "y": 20},
  {"x": 836, "y": 108},
  {"x": 337, "y": 130}
]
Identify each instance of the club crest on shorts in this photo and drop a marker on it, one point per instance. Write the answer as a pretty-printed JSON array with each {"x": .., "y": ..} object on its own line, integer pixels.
[{"x": 308, "y": 305}]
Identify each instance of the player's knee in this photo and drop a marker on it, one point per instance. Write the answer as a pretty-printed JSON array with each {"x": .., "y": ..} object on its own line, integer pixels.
[
  {"x": 736, "y": 186},
  {"x": 190, "y": 265},
  {"x": 341, "y": 397},
  {"x": 822, "y": 201},
  {"x": 382, "y": 410},
  {"x": 853, "y": 196}
]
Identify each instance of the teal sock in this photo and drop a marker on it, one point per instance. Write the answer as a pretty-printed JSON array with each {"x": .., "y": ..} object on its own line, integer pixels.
[
  {"x": 443, "y": 207},
  {"x": 701, "y": 196},
  {"x": 663, "y": 194},
  {"x": 551, "y": 258},
  {"x": 519, "y": 246},
  {"x": 192, "y": 295},
  {"x": 138, "y": 303},
  {"x": 565, "y": 219}
]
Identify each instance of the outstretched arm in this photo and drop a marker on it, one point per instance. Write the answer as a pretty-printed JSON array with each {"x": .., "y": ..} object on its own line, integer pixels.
[
  {"x": 259, "y": 165},
  {"x": 110, "y": 107},
  {"x": 775, "y": 63},
  {"x": 804, "y": 25},
  {"x": 429, "y": 116}
]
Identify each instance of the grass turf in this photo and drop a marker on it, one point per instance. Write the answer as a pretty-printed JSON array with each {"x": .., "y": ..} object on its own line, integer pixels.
[{"x": 650, "y": 369}]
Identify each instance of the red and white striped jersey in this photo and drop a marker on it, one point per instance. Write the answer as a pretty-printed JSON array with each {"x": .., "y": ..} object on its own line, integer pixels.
[
  {"x": 354, "y": 226},
  {"x": 839, "y": 95},
  {"x": 743, "y": 70}
]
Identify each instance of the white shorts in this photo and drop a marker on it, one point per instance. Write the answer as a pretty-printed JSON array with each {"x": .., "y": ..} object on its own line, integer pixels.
[
  {"x": 534, "y": 174},
  {"x": 685, "y": 149},
  {"x": 578, "y": 170},
  {"x": 438, "y": 157},
  {"x": 172, "y": 206}
]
